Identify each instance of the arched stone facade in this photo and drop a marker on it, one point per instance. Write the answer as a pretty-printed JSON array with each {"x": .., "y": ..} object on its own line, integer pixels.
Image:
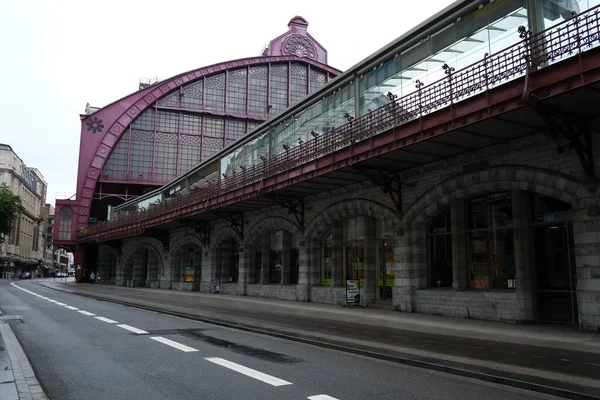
[
  {"x": 350, "y": 208},
  {"x": 130, "y": 266},
  {"x": 108, "y": 263},
  {"x": 221, "y": 234},
  {"x": 254, "y": 235},
  {"x": 412, "y": 294},
  {"x": 547, "y": 182},
  {"x": 179, "y": 259},
  {"x": 184, "y": 238}
]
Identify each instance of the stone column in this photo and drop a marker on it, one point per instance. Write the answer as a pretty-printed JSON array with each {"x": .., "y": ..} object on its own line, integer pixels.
[
  {"x": 304, "y": 273},
  {"x": 410, "y": 270},
  {"x": 367, "y": 293},
  {"x": 460, "y": 265},
  {"x": 586, "y": 236},
  {"x": 246, "y": 273},
  {"x": 286, "y": 257},
  {"x": 523, "y": 255},
  {"x": 209, "y": 268}
]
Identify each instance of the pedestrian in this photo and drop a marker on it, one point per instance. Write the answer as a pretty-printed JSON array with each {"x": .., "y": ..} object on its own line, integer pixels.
[{"x": 92, "y": 277}]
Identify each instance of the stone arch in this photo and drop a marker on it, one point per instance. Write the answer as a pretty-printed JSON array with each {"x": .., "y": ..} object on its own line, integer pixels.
[
  {"x": 185, "y": 238},
  {"x": 146, "y": 242},
  {"x": 155, "y": 248},
  {"x": 267, "y": 225},
  {"x": 550, "y": 183},
  {"x": 179, "y": 259},
  {"x": 349, "y": 209},
  {"x": 108, "y": 261},
  {"x": 223, "y": 233}
]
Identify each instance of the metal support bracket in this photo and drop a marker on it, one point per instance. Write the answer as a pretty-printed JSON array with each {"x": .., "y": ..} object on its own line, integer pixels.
[
  {"x": 202, "y": 228},
  {"x": 388, "y": 181},
  {"x": 236, "y": 222},
  {"x": 575, "y": 128},
  {"x": 294, "y": 205}
]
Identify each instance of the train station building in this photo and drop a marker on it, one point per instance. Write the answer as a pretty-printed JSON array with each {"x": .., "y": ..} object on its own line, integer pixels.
[{"x": 450, "y": 173}]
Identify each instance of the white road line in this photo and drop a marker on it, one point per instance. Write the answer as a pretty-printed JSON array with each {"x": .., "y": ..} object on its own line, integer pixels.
[
  {"x": 72, "y": 308},
  {"x": 132, "y": 329},
  {"x": 564, "y": 359},
  {"x": 321, "y": 397},
  {"x": 347, "y": 329},
  {"x": 109, "y": 321},
  {"x": 60, "y": 304},
  {"x": 504, "y": 351},
  {"x": 540, "y": 356},
  {"x": 52, "y": 301},
  {"x": 401, "y": 337},
  {"x": 595, "y": 365},
  {"x": 433, "y": 341},
  {"x": 471, "y": 347},
  {"x": 252, "y": 373},
  {"x": 171, "y": 343},
  {"x": 86, "y": 313}
]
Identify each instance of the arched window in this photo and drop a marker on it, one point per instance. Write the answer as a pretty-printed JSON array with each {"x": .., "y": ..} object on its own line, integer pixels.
[
  {"x": 440, "y": 251},
  {"x": 65, "y": 223}
]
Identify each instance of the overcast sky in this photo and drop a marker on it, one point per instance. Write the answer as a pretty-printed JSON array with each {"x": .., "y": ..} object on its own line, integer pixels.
[{"x": 57, "y": 55}]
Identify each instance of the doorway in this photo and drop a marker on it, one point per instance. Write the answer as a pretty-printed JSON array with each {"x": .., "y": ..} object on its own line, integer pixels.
[
  {"x": 385, "y": 269},
  {"x": 556, "y": 275}
]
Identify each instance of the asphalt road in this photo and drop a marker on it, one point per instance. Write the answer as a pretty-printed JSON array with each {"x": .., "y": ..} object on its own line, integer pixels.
[{"x": 82, "y": 348}]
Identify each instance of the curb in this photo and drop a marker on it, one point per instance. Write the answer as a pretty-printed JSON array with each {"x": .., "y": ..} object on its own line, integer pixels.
[
  {"x": 429, "y": 364},
  {"x": 27, "y": 385}
]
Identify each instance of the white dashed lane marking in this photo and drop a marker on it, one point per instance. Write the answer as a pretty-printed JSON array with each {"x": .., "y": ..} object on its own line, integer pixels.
[
  {"x": 252, "y": 373},
  {"x": 60, "y": 304},
  {"x": 174, "y": 344},
  {"x": 132, "y": 329},
  {"x": 471, "y": 347},
  {"x": 321, "y": 397},
  {"x": 595, "y": 365},
  {"x": 107, "y": 320},
  {"x": 86, "y": 313},
  {"x": 72, "y": 308}
]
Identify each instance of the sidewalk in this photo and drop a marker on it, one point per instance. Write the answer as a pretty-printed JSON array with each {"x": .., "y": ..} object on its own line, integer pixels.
[
  {"x": 17, "y": 379},
  {"x": 536, "y": 357}
]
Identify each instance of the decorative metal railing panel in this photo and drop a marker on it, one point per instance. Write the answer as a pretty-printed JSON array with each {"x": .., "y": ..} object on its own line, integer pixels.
[{"x": 564, "y": 40}]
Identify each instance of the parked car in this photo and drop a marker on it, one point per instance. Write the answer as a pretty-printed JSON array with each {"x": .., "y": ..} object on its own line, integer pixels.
[{"x": 25, "y": 275}]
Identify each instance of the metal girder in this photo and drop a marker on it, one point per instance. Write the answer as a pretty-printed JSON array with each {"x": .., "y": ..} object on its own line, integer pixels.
[
  {"x": 236, "y": 222},
  {"x": 202, "y": 228},
  {"x": 388, "y": 181},
  {"x": 294, "y": 205}
]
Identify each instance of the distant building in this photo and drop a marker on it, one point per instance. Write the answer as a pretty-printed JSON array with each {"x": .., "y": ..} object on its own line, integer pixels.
[{"x": 24, "y": 247}]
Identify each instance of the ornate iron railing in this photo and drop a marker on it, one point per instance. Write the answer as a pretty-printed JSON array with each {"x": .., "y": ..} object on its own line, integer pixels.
[{"x": 536, "y": 51}]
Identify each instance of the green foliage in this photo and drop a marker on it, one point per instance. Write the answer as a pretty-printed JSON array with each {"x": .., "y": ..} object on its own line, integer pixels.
[
  {"x": 10, "y": 206},
  {"x": 83, "y": 232}
]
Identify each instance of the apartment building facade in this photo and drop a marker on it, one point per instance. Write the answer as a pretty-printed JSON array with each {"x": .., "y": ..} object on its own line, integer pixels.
[{"x": 23, "y": 248}]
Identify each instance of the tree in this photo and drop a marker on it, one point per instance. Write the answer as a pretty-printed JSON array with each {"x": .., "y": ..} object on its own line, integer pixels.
[{"x": 10, "y": 206}]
